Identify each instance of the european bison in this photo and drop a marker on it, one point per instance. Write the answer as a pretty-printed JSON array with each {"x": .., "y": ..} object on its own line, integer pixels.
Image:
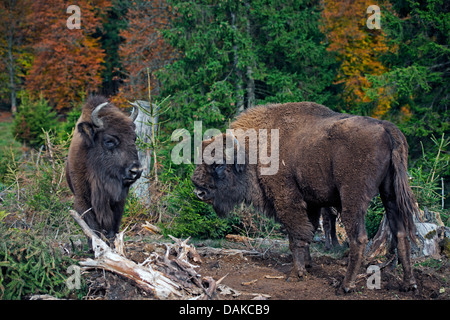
[
  {"x": 102, "y": 164},
  {"x": 327, "y": 159}
]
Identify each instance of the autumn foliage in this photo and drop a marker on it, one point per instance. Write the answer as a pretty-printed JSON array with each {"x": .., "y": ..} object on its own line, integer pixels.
[
  {"x": 359, "y": 50},
  {"x": 67, "y": 62},
  {"x": 144, "y": 46}
]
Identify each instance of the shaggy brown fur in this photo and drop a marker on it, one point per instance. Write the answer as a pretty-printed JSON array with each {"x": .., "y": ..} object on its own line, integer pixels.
[
  {"x": 101, "y": 166},
  {"x": 326, "y": 159}
]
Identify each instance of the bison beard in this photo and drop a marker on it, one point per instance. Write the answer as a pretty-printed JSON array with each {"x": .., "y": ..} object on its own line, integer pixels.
[
  {"x": 102, "y": 164},
  {"x": 328, "y": 160}
]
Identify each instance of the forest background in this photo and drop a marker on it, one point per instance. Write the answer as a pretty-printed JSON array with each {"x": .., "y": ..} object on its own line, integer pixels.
[{"x": 210, "y": 60}]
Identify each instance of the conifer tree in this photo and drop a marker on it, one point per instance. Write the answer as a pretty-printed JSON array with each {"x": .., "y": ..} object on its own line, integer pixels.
[{"x": 236, "y": 54}]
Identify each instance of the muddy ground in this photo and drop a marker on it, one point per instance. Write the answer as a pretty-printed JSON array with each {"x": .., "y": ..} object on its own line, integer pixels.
[{"x": 263, "y": 276}]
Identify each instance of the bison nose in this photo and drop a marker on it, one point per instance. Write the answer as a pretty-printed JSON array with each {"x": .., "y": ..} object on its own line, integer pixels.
[
  {"x": 201, "y": 194},
  {"x": 134, "y": 172}
]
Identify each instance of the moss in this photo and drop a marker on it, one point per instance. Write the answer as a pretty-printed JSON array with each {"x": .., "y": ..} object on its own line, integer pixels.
[
  {"x": 445, "y": 247},
  {"x": 430, "y": 235}
]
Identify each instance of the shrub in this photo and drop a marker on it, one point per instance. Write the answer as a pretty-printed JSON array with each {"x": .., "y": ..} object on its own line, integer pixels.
[
  {"x": 65, "y": 128},
  {"x": 249, "y": 222},
  {"x": 34, "y": 220},
  {"x": 32, "y": 119},
  {"x": 30, "y": 264},
  {"x": 374, "y": 215},
  {"x": 10, "y": 149},
  {"x": 427, "y": 171},
  {"x": 187, "y": 216}
]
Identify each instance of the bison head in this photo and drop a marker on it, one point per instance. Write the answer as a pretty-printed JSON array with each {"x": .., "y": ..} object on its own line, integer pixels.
[
  {"x": 222, "y": 182},
  {"x": 110, "y": 142}
]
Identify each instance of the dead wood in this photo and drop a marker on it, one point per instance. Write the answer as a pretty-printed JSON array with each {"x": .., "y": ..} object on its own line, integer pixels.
[
  {"x": 255, "y": 243},
  {"x": 430, "y": 232},
  {"x": 164, "y": 276},
  {"x": 217, "y": 251},
  {"x": 380, "y": 243},
  {"x": 152, "y": 228}
]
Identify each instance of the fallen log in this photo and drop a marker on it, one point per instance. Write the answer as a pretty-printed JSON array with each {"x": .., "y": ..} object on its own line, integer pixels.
[
  {"x": 152, "y": 228},
  {"x": 161, "y": 276},
  {"x": 205, "y": 251}
]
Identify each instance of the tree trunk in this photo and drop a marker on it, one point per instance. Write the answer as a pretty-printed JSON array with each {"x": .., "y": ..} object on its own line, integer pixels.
[
  {"x": 250, "y": 80},
  {"x": 250, "y": 88},
  {"x": 239, "y": 81},
  {"x": 11, "y": 69},
  {"x": 146, "y": 126}
]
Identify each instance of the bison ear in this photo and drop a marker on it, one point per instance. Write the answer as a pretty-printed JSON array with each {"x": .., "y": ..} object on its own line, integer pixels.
[
  {"x": 239, "y": 167},
  {"x": 87, "y": 132},
  {"x": 220, "y": 170}
]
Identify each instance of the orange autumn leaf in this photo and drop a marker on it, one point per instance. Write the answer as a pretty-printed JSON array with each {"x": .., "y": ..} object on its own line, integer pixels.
[
  {"x": 358, "y": 49},
  {"x": 68, "y": 62},
  {"x": 144, "y": 47}
]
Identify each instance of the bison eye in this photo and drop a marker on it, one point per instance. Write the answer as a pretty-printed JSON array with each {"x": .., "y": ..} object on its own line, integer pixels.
[{"x": 110, "y": 142}]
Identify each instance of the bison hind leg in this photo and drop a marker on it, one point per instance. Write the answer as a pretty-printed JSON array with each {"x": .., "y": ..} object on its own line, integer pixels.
[
  {"x": 353, "y": 219},
  {"x": 329, "y": 228},
  {"x": 399, "y": 234}
]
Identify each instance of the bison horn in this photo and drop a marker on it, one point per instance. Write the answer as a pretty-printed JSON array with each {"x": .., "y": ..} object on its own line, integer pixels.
[
  {"x": 94, "y": 116},
  {"x": 135, "y": 113},
  {"x": 229, "y": 152},
  {"x": 235, "y": 141}
]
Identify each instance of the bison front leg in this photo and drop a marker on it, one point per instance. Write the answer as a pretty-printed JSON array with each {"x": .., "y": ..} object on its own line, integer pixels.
[
  {"x": 300, "y": 223},
  {"x": 301, "y": 233},
  {"x": 301, "y": 258}
]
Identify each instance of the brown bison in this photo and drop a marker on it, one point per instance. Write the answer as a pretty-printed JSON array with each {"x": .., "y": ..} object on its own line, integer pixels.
[
  {"x": 102, "y": 164},
  {"x": 327, "y": 159}
]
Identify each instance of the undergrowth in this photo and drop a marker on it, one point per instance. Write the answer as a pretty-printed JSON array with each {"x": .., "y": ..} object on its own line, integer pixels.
[
  {"x": 32, "y": 264},
  {"x": 34, "y": 224}
]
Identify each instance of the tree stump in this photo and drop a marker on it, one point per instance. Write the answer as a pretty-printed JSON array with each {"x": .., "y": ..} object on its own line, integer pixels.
[
  {"x": 431, "y": 237},
  {"x": 146, "y": 125}
]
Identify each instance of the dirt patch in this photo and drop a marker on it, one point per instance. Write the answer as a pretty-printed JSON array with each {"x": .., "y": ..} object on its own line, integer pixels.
[{"x": 265, "y": 277}]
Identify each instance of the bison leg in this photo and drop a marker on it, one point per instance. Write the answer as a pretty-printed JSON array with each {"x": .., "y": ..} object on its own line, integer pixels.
[
  {"x": 399, "y": 239},
  {"x": 326, "y": 223},
  {"x": 333, "y": 236},
  {"x": 88, "y": 215},
  {"x": 300, "y": 256},
  {"x": 299, "y": 222},
  {"x": 301, "y": 233},
  {"x": 329, "y": 228},
  {"x": 117, "y": 209},
  {"x": 354, "y": 224}
]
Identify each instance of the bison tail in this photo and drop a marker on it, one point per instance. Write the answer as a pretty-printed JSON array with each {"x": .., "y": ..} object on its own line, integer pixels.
[{"x": 405, "y": 199}]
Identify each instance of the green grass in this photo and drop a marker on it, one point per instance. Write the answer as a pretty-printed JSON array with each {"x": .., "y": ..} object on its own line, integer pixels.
[{"x": 7, "y": 138}]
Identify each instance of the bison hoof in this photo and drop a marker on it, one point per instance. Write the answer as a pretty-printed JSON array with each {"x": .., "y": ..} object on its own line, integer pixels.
[
  {"x": 348, "y": 288},
  {"x": 409, "y": 286},
  {"x": 296, "y": 275}
]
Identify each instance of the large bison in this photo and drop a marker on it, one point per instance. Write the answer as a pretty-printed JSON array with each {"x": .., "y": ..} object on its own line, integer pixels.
[
  {"x": 102, "y": 164},
  {"x": 327, "y": 159}
]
